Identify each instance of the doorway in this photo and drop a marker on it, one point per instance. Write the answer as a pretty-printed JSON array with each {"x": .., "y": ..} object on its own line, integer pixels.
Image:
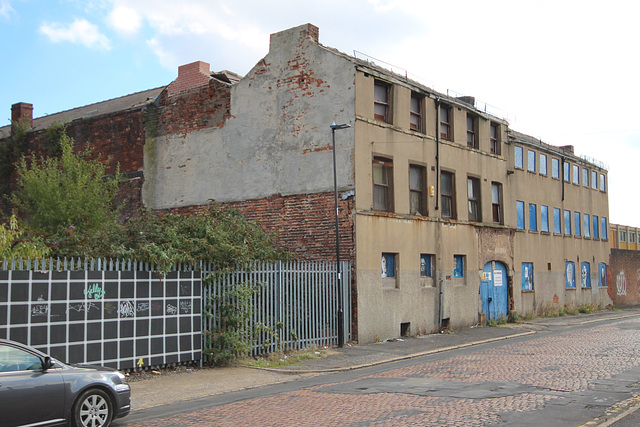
[{"x": 493, "y": 290}]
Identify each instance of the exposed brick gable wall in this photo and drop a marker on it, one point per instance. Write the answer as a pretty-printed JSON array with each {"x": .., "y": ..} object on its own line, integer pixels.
[{"x": 200, "y": 108}]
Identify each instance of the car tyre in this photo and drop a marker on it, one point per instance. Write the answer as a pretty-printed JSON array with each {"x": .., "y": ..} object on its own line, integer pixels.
[{"x": 93, "y": 409}]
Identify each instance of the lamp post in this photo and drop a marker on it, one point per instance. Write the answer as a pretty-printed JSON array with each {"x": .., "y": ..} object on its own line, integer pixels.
[{"x": 335, "y": 127}]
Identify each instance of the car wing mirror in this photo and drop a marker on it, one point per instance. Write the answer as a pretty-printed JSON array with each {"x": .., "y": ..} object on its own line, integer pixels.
[{"x": 47, "y": 363}]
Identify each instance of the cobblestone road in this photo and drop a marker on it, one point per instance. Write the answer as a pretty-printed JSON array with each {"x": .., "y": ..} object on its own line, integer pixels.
[{"x": 477, "y": 388}]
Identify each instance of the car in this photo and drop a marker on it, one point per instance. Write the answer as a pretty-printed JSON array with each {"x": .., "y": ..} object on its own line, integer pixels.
[{"x": 36, "y": 389}]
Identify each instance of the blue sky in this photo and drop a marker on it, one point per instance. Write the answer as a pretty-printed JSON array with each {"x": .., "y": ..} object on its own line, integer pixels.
[{"x": 561, "y": 70}]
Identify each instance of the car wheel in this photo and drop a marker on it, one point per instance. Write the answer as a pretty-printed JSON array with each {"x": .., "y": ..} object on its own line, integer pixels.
[{"x": 93, "y": 409}]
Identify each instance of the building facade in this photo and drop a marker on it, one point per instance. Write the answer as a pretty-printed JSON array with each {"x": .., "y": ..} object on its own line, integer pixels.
[{"x": 448, "y": 215}]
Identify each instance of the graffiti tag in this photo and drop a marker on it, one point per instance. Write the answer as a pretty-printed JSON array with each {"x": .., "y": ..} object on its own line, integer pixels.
[
  {"x": 172, "y": 309},
  {"x": 94, "y": 291},
  {"x": 143, "y": 306},
  {"x": 126, "y": 309},
  {"x": 80, "y": 307},
  {"x": 185, "y": 306},
  {"x": 39, "y": 310},
  {"x": 621, "y": 284}
]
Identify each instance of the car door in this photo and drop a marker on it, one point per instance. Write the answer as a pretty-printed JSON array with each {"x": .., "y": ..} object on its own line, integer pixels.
[{"x": 28, "y": 394}]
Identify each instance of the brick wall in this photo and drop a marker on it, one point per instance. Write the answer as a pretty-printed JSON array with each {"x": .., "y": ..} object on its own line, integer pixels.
[
  {"x": 624, "y": 277},
  {"x": 304, "y": 223},
  {"x": 195, "y": 109},
  {"x": 119, "y": 135}
]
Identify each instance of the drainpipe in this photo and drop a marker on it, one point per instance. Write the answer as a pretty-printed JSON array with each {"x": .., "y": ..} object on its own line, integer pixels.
[
  {"x": 437, "y": 154},
  {"x": 563, "y": 160},
  {"x": 440, "y": 309}
]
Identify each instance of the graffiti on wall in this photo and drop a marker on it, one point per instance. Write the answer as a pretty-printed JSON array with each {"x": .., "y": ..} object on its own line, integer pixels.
[{"x": 621, "y": 284}]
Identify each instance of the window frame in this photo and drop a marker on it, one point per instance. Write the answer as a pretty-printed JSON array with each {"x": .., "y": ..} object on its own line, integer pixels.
[
  {"x": 555, "y": 168},
  {"x": 557, "y": 220},
  {"x": 543, "y": 164},
  {"x": 531, "y": 161},
  {"x": 386, "y": 103},
  {"x": 570, "y": 275},
  {"x": 575, "y": 170},
  {"x": 389, "y": 265},
  {"x": 474, "y": 200},
  {"x": 518, "y": 153},
  {"x": 448, "y": 124},
  {"x": 585, "y": 274},
  {"x": 533, "y": 217},
  {"x": 496, "y": 206},
  {"x": 527, "y": 276},
  {"x": 473, "y": 131},
  {"x": 520, "y": 220},
  {"x": 421, "y": 192},
  {"x": 458, "y": 266},
  {"x": 602, "y": 275},
  {"x": 427, "y": 271},
  {"x": 416, "y": 116},
  {"x": 544, "y": 218},
  {"x": 586, "y": 221},
  {"x": 387, "y": 166},
  {"x": 567, "y": 222},
  {"x": 450, "y": 196},
  {"x": 494, "y": 139}
]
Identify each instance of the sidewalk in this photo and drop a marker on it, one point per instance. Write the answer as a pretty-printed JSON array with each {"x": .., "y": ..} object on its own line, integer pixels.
[{"x": 198, "y": 383}]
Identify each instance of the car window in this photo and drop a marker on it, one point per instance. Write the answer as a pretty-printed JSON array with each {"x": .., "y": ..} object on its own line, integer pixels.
[{"x": 15, "y": 359}]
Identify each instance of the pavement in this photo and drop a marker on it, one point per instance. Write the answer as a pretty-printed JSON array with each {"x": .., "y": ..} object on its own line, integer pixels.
[{"x": 186, "y": 384}]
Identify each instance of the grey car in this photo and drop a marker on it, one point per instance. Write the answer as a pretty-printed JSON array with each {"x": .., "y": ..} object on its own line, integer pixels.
[{"x": 36, "y": 389}]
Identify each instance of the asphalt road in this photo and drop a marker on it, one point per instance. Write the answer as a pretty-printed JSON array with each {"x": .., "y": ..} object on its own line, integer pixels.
[{"x": 566, "y": 374}]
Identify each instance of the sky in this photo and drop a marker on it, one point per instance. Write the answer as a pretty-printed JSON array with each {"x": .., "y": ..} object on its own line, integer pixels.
[{"x": 563, "y": 71}]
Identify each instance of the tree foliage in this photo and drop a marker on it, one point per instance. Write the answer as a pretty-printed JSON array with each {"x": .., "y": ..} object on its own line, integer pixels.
[
  {"x": 54, "y": 193},
  {"x": 16, "y": 242},
  {"x": 219, "y": 234},
  {"x": 10, "y": 151}
]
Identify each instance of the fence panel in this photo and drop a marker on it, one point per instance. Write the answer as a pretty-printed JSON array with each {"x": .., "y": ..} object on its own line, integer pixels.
[
  {"x": 121, "y": 314},
  {"x": 122, "y": 319},
  {"x": 294, "y": 305}
]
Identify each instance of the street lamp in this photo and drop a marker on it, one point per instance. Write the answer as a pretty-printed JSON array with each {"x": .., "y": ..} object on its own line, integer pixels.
[{"x": 335, "y": 127}]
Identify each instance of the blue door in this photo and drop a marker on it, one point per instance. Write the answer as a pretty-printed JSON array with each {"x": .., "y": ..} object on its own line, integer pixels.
[{"x": 493, "y": 290}]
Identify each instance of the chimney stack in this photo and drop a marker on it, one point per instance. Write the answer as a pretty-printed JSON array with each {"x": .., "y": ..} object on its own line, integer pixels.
[
  {"x": 20, "y": 112},
  {"x": 190, "y": 76}
]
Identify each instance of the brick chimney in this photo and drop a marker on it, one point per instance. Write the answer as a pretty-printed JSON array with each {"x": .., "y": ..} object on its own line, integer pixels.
[
  {"x": 20, "y": 112},
  {"x": 190, "y": 76}
]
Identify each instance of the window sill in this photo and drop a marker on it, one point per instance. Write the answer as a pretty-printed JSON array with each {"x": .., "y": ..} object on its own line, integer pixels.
[{"x": 528, "y": 291}]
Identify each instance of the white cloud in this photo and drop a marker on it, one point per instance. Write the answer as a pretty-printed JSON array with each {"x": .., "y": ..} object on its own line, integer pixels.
[
  {"x": 80, "y": 31},
  {"x": 124, "y": 20},
  {"x": 5, "y": 9}
]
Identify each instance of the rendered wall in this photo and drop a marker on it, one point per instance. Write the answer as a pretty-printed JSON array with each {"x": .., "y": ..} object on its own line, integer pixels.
[{"x": 275, "y": 138}]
